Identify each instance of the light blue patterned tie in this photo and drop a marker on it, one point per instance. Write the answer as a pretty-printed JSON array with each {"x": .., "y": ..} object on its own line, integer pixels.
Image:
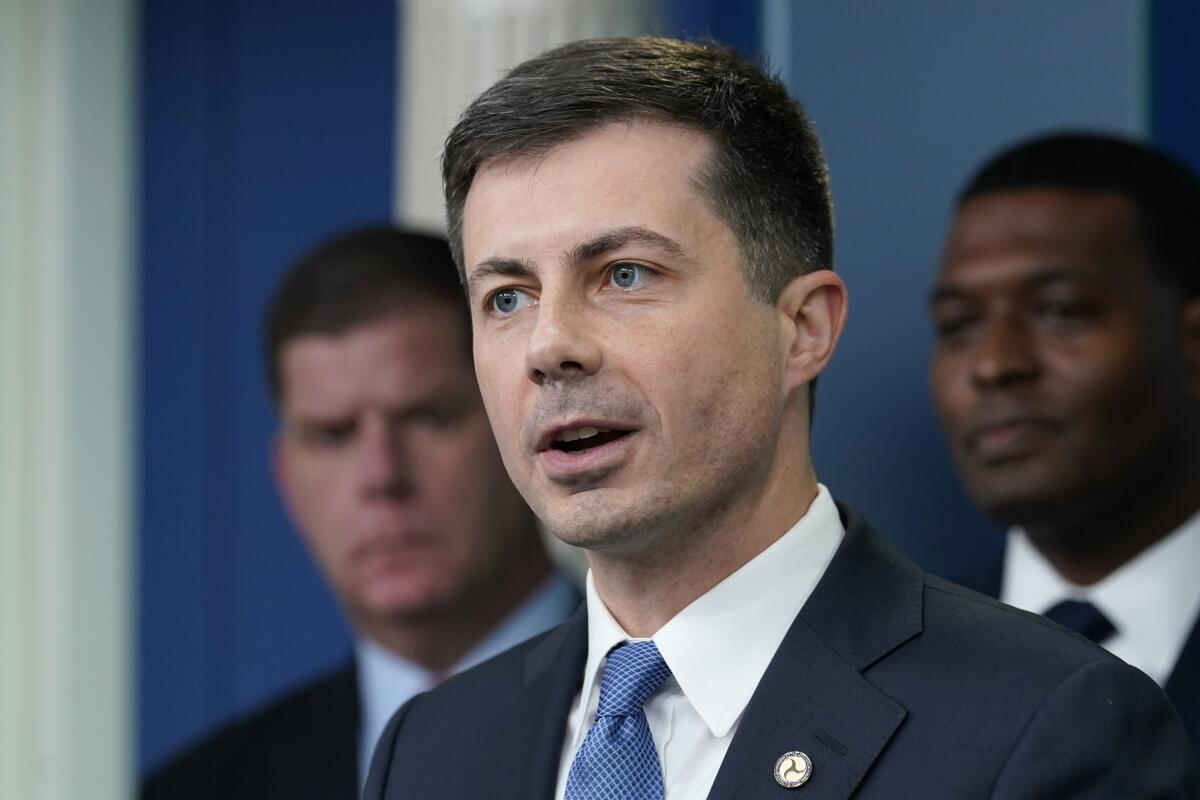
[{"x": 617, "y": 760}]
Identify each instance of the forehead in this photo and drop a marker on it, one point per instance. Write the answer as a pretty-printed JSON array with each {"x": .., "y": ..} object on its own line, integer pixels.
[
  {"x": 627, "y": 174},
  {"x": 1044, "y": 227},
  {"x": 406, "y": 354}
]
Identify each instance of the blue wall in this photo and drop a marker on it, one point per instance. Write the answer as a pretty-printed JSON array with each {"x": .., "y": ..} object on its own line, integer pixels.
[{"x": 265, "y": 127}]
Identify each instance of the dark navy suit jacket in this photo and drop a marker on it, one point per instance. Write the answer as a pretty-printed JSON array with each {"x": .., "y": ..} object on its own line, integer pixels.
[
  {"x": 301, "y": 747},
  {"x": 895, "y": 683},
  {"x": 1183, "y": 685}
]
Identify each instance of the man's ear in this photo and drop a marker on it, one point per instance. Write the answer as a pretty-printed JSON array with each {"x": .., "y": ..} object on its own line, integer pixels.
[
  {"x": 812, "y": 311},
  {"x": 1191, "y": 346}
]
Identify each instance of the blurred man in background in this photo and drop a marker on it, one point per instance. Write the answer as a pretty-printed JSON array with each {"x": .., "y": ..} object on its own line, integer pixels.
[
  {"x": 389, "y": 469},
  {"x": 1067, "y": 377}
]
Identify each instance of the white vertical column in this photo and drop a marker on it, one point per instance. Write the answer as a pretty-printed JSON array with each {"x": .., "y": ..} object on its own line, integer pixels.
[
  {"x": 451, "y": 50},
  {"x": 1140, "y": 111},
  {"x": 65, "y": 397},
  {"x": 775, "y": 23}
]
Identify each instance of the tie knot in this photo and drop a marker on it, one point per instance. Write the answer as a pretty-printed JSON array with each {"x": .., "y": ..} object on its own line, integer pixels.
[
  {"x": 1083, "y": 618},
  {"x": 633, "y": 672}
]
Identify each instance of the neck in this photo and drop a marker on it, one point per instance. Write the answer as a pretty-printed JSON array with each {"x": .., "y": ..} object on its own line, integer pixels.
[
  {"x": 439, "y": 640},
  {"x": 644, "y": 590},
  {"x": 1087, "y": 547}
]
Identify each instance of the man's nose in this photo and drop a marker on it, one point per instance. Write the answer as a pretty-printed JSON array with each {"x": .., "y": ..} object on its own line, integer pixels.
[
  {"x": 384, "y": 462},
  {"x": 563, "y": 344},
  {"x": 1005, "y": 354}
]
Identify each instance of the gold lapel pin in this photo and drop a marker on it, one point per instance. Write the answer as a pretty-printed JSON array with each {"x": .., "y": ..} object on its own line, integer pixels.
[{"x": 793, "y": 769}]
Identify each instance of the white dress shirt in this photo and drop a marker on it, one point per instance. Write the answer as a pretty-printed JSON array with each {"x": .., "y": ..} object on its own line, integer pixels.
[
  {"x": 386, "y": 681},
  {"x": 717, "y": 648},
  {"x": 1152, "y": 601}
]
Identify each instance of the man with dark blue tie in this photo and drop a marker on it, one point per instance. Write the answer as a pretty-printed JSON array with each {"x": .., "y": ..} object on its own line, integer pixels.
[
  {"x": 1067, "y": 377},
  {"x": 645, "y": 233}
]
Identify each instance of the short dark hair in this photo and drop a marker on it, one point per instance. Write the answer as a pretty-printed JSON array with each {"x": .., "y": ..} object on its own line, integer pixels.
[
  {"x": 357, "y": 278},
  {"x": 767, "y": 180},
  {"x": 1165, "y": 194}
]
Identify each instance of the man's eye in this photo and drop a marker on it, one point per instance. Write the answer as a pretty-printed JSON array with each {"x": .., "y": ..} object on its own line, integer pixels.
[
  {"x": 329, "y": 436},
  {"x": 431, "y": 418},
  {"x": 628, "y": 276},
  {"x": 508, "y": 301},
  {"x": 952, "y": 325},
  {"x": 1063, "y": 312}
]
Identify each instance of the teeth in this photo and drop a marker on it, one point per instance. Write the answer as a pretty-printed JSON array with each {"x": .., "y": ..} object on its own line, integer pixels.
[{"x": 579, "y": 433}]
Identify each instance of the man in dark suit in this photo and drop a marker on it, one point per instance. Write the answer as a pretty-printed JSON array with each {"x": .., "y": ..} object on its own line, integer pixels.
[
  {"x": 1067, "y": 377},
  {"x": 386, "y": 462},
  {"x": 645, "y": 232}
]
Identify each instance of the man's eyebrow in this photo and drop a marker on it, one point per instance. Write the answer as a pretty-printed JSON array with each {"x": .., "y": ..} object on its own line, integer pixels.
[
  {"x": 585, "y": 251},
  {"x": 304, "y": 423},
  {"x": 622, "y": 237},
  {"x": 505, "y": 267},
  {"x": 1038, "y": 278},
  {"x": 1058, "y": 274},
  {"x": 944, "y": 293}
]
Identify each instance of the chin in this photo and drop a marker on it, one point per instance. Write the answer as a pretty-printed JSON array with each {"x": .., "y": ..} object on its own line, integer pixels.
[
  {"x": 581, "y": 530},
  {"x": 577, "y": 535},
  {"x": 1020, "y": 505},
  {"x": 410, "y": 602},
  {"x": 612, "y": 532},
  {"x": 1010, "y": 493}
]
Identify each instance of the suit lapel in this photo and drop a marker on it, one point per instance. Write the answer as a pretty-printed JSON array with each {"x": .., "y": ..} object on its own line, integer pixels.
[
  {"x": 535, "y": 722},
  {"x": 813, "y": 697}
]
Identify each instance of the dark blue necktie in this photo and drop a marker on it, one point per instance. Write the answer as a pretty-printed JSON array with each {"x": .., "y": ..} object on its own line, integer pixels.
[
  {"x": 1083, "y": 618},
  {"x": 617, "y": 760}
]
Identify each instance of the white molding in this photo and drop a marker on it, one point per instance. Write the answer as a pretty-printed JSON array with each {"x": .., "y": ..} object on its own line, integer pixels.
[
  {"x": 1140, "y": 89},
  {"x": 451, "y": 50},
  {"x": 776, "y": 25},
  {"x": 66, "y": 356}
]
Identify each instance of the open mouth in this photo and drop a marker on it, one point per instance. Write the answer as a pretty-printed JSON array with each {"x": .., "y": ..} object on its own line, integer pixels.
[{"x": 579, "y": 439}]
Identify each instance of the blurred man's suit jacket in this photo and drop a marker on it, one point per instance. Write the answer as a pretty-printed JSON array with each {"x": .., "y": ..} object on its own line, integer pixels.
[
  {"x": 1183, "y": 685},
  {"x": 302, "y": 747}
]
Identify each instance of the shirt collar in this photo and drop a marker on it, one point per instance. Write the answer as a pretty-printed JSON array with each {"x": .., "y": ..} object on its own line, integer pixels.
[
  {"x": 1152, "y": 600},
  {"x": 719, "y": 646}
]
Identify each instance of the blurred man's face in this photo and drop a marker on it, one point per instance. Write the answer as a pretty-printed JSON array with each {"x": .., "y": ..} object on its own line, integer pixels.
[
  {"x": 389, "y": 468},
  {"x": 1058, "y": 370},
  {"x": 634, "y": 385}
]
